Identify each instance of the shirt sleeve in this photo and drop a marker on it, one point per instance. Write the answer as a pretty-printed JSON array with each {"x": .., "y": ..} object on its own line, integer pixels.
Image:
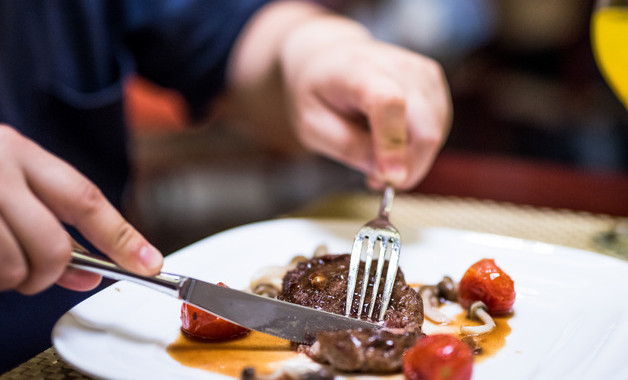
[{"x": 185, "y": 44}]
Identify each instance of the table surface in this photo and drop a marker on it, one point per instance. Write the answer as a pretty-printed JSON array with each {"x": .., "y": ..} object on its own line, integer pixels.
[{"x": 554, "y": 226}]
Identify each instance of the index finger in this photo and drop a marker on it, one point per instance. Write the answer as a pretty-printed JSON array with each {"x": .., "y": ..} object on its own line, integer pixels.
[
  {"x": 385, "y": 107},
  {"x": 77, "y": 201}
]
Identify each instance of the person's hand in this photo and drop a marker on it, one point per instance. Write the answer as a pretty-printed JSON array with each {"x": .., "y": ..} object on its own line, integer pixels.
[
  {"x": 38, "y": 192},
  {"x": 376, "y": 107}
]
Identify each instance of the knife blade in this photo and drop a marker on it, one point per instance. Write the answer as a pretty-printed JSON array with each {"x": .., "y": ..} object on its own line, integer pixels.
[{"x": 282, "y": 319}]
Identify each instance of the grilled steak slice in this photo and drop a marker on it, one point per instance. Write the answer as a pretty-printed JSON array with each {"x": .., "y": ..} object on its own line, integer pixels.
[
  {"x": 321, "y": 283},
  {"x": 360, "y": 350}
]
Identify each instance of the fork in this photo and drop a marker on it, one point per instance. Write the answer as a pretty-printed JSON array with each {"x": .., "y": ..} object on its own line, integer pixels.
[{"x": 377, "y": 238}]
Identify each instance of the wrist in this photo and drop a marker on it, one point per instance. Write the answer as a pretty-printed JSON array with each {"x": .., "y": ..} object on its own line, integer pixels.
[{"x": 320, "y": 31}]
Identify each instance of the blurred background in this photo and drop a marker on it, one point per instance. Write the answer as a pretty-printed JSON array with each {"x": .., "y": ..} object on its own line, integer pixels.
[{"x": 534, "y": 123}]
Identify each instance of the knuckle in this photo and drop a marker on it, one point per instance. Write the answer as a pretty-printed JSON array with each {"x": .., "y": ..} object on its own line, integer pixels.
[
  {"x": 89, "y": 198},
  {"x": 386, "y": 97},
  {"x": 58, "y": 254},
  {"x": 125, "y": 233},
  {"x": 435, "y": 68},
  {"x": 430, "y": 66},
  {"x": 432, "y": 137},
  {"x": 13, "y": 276}
]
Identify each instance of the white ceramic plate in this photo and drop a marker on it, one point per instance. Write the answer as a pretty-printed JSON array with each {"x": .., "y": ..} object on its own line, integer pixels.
[{"x": 570, "y": 321}]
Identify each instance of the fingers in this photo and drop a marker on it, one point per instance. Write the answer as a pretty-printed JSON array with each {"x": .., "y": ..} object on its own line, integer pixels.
[
  {"x": 38, "y": 233},
  {"x": 39, "y": 191},
  {"x": 13, "y": 265},
  {"x": 385, "y": 106},
  {"x": 383, "y": 130},
  {"x": 429, "y": 124},
  {"x": 41, "y": 257},
  {"x": 337, "y": 137},
  {"x": 78, "y": 202},
  {"x": 78, "y": 280},
  {"x": 408, "y": 114}
]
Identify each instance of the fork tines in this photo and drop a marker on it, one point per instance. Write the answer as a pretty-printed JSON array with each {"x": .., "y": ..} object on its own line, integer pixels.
[{"x": 377, "y": 240}]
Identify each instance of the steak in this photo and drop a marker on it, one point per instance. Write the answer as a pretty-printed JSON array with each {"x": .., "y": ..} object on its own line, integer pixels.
[
  {"x": 370, "y": 351},
  {"x": 321, "y": 283}
]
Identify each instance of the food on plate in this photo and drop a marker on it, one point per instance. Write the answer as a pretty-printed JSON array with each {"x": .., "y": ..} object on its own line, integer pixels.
[
  {"x": 290, "y": 371},
  {"x": 268, "y": 281},
  {"x": 431, "y": 297},
  {"x": 200, "y": 324},
  {"x": 477, "y": 310},
  {"x": 401, "y": 346},
  {"x": 438, "y": 357},
  {"x": 362, "y": 350},
  {"x": 321, "y": 283},
  {"x": 485, "y": 281}
]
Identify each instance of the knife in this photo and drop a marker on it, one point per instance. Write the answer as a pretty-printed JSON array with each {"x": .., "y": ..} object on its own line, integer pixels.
[{"x": 267, "y": 315}]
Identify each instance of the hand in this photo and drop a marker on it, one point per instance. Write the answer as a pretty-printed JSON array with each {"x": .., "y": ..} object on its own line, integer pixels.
[
  {"x": 376, "y": 107},
  {"x": 38, "y": 192}
]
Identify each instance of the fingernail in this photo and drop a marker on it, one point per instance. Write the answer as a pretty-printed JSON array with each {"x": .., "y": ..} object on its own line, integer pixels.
[
  {"x": 150, "y": 257},
  {"x": 396, "y": 174}
]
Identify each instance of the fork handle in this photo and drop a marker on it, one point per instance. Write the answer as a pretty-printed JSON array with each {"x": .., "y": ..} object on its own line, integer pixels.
[{"x": 387, "y": 201}]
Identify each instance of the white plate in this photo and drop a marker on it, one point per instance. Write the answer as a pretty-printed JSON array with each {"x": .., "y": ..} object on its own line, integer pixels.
[{"x": 570, "y": 319}]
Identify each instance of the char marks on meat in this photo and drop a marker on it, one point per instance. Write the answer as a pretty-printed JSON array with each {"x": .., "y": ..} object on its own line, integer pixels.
[{"x": 321, "y": 283}]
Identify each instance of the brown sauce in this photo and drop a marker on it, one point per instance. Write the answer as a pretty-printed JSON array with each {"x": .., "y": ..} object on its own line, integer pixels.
[
  {"x": 266, "y": 353},
  {"x": 490, "y": 342},
  {"x": 263, "y": 352}
]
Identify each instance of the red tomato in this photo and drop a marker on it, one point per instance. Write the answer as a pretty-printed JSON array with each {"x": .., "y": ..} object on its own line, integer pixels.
[
  {"x": 203, "y": 325},
  {"x": 484, "y": 281},
  {"x": 438, "y": 357}
]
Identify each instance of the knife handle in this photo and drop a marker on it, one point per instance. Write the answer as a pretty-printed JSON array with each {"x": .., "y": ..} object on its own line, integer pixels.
[{"x": 84, "y": 260}]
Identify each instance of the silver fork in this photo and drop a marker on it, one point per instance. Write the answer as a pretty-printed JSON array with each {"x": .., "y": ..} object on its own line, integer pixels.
[{"x": 377, "y": 238}]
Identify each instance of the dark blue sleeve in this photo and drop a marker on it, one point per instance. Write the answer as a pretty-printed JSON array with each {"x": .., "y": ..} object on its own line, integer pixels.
[{"x": 185, "y": 44}]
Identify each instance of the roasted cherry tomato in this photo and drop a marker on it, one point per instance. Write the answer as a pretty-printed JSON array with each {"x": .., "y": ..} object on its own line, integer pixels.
[
  {"x": 438, "y": 357},
  {"x": 203, "y": 325},
  {"x": 484, "y": 281}
]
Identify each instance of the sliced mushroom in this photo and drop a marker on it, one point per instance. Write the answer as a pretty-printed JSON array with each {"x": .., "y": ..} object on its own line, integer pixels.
[
  {"x": 477, "y": 310},
  {"x": 295, "y": 261},
  {"x": 431, "y": 301},
  {"x": 474, "y": 345},
  {"x": 321, "y": 250},
  {"x": 266, "y": 290},
  {"x": 448, "y": 289},
  {"x": 268, "y": 281}
]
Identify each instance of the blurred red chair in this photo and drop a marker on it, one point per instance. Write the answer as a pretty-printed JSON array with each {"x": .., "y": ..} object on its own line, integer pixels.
[
  {"x": 523, "y": 181},
  {"x": 151, "y": 108}
]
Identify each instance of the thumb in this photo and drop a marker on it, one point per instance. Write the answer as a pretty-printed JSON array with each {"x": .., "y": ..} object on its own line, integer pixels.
[{"x": 386, "y": 112}]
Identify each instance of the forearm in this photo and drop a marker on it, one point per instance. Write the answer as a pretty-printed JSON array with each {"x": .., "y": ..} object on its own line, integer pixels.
[{"x": 255, "y": 94}]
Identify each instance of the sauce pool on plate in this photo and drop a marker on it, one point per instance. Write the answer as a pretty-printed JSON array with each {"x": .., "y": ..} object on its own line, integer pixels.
[
  {"x": 267, "y": 354},
  {"x": 263, "y": 352}
]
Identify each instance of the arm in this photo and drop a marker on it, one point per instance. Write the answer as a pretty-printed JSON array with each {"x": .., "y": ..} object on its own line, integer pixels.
[{"x": 376, "y": 107}]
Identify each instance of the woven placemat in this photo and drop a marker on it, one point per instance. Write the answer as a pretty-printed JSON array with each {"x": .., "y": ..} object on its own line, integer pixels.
[
  {"x": 555, "y": 226},
  {"x": 45, "y": 366},
  {"x": 561, "y": 227}
]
